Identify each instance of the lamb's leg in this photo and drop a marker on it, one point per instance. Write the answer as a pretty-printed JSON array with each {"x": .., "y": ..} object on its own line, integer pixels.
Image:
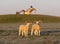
[
  {"x": 19, "y": 32},
  {"x": 39, "y": 32},
  {"x": 22, "y": 33},
  {"x": 35, "y": 32},
  {"x": 31, "y": 32},
  {"x": 26, "y": 33}
]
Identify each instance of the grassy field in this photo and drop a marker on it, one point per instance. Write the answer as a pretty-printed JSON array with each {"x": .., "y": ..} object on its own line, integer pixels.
[{"x": 22, "y": 18}]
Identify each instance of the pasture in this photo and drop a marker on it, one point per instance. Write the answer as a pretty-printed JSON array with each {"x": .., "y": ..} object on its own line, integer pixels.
[{"x": 50, "y": 29}]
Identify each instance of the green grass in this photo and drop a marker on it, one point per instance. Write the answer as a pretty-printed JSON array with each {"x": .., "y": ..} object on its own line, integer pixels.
[{"x": 29, "y": 18}]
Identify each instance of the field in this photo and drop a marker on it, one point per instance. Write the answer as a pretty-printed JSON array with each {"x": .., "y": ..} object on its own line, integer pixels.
[
  {"x": 50, "y": 29},
  {"x": 29, "y": 18}
]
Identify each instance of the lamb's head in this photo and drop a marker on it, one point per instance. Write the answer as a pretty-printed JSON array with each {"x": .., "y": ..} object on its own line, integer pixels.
[
  {"x": 37, "y": 22},
  {"x": 28, "y": 24}
]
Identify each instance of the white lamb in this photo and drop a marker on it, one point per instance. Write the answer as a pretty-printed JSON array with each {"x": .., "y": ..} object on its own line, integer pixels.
[
  {"x": 35, "y": 29},
  {"x": 23, "y": 29}
]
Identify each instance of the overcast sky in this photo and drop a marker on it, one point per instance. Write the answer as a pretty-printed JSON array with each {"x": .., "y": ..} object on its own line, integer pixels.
[{"x": 49, "y": 7}]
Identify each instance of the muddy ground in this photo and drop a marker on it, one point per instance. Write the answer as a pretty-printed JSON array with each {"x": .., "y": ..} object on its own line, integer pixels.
[{"x": 50, "y": 34}]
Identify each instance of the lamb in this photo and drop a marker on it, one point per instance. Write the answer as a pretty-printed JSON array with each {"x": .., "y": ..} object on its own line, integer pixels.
[
  {"x": 23, "y": 29},
  {"x": 35, "y": 29}
]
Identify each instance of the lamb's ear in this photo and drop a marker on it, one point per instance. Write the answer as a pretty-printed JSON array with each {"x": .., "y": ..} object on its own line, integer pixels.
[
  {"x": 40, "y": 21},
  {"x": 26, "y": 21}
]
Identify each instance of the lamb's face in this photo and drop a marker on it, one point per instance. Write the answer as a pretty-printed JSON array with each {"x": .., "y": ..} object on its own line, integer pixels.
[{"x": 37, "y": 22}]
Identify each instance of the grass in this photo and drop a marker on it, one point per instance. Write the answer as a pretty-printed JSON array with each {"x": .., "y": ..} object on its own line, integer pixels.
[{"x": 30, "y": 18}]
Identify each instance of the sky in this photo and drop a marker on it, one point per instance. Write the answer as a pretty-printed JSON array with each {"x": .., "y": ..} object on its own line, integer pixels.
[{"x": 46, "y": 7}]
